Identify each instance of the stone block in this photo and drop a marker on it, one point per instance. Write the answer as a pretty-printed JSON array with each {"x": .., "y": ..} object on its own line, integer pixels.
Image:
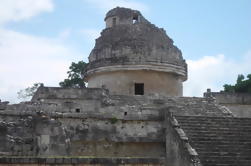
[{"x": 45, "y": 139}]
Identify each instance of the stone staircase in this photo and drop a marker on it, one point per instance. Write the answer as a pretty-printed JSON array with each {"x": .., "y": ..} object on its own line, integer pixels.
[{"x": 219, "y": 141}]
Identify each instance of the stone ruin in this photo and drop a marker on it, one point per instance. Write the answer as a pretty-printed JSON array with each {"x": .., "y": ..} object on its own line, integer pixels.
[
  {"x": 132, "y": 53},
  {"x": 131, "y": 114}
]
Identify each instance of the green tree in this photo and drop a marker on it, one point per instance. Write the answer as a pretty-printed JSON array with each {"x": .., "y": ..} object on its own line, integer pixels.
[
  {"x": 228, "y": 88},
  {"x": 240, "y": 78},
  {"x": 75, "y": 79},
  {"x": 27, "y": 93},
  {"x": 242, "y": 85}
]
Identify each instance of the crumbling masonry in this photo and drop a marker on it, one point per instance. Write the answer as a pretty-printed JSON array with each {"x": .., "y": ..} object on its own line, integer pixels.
[{"x": 132, "y": 112}]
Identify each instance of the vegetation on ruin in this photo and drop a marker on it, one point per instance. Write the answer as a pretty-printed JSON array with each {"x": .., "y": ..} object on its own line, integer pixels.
[
  {"x": 75, "y": 79},
  {"x": 242, "y": 85},
  {"x": 113, "y": 120},
  {"x": 28, "y": 92}
]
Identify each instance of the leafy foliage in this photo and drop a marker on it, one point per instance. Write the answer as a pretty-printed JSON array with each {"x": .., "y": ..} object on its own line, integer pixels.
[
  {"x": 242, "y": 85},
  {"x": 113, "y": 120},
  {"x": 28, "y": 92},
  {"x": 74, "y": 79}
]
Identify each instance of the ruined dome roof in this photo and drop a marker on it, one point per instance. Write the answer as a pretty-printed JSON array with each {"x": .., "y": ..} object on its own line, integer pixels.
[
  {"x": 136, "y": 42},
  {"x": 121, "y": 12}
]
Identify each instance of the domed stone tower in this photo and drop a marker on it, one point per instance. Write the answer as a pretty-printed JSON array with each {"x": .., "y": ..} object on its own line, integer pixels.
[{"x": 134, "y": 57}]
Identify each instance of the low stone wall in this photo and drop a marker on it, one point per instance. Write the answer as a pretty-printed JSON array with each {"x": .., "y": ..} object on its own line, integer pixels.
[
  {"x": 232, "y": 98},
  {"x": 99, "y": 101},
  {"x": 68, "y": 93},
  {"x": 238, "y": 103},
  {"x": 39, "y": 134},
  {"x": 80, "y": 161},
  {"x": 239, "y": 110}
]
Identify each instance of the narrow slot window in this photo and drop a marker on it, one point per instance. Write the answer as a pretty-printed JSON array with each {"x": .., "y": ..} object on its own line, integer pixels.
[{"x": 114, "y": 21}]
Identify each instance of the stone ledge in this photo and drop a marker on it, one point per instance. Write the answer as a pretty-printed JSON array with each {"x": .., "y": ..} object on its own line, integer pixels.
[
  {"x": 100, "y": 116},
  {"x": 79, "y": 160},
  {"x": 169, "y": 68}
]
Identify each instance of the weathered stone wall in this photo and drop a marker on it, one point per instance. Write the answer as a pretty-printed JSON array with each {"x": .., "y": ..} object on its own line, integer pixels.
[
  {"x": 135, "y": 44},
  {"x": 129, "y": 50},
  {"x": 240, "y": 110},
  {"x": 123, "y": 16},
  {"x": 104, "y": 105},
  {"x": 74, "y": 164},
  {"x": 43, "y": 135},
  {"x": 238, "y": 103},
  {"x": 32, "y": 132},
  {"x": 232, "y": 98},
  {"x": 75, "y": 122},
  {"x": 122, "y": 82},
  {"x": 32, "y": 135},
  {"x": 80, "y": 161},
  {"x": 68, "y": 93}
]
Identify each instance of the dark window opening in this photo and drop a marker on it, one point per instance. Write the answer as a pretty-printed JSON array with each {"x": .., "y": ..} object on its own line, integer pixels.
[
  {"x": 125, "y": 113},
  {"x": 77, "y": 110},
  {"x": 135, "y": 19},
  {"x": 113, "y": 21},
  {"x": 139, "y": 89}
]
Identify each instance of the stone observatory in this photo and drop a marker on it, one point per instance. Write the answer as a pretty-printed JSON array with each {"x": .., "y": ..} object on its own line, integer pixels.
[
  {"x": 134, "y": 57},
  {"x": 125, "y": 125}
]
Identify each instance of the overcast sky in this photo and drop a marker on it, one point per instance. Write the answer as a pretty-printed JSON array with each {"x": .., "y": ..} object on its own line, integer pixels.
[{"x": 40, "y": 38}]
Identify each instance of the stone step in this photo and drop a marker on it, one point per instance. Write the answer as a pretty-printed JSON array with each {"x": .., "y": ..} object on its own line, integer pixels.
[
  {"x": 219, "y": 121},
  {"x": 224, "y": 153},
  {"x": 215, "y": 132},
  {"x": 215, "y": 153},
  {"x": 224, "y": 159},
  {"x": 222, "y": 147},
  {"x": 241, "y": 129},
  {"x": 220, "y": 141},
  {"x": 211, "y": 118},
  {"x": 223, "y": 125},
  {"x": 215, "y": 120},
  {"x": 205, "y": 122},
  {"x": 218, "y": 134}
]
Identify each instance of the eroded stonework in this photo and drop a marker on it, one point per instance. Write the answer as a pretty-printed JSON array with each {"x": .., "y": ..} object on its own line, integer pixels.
[
  {"x": 131, "y": 44},
  {"x": 110, "y": 125},
  {"x": 91, "y": 122}
]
